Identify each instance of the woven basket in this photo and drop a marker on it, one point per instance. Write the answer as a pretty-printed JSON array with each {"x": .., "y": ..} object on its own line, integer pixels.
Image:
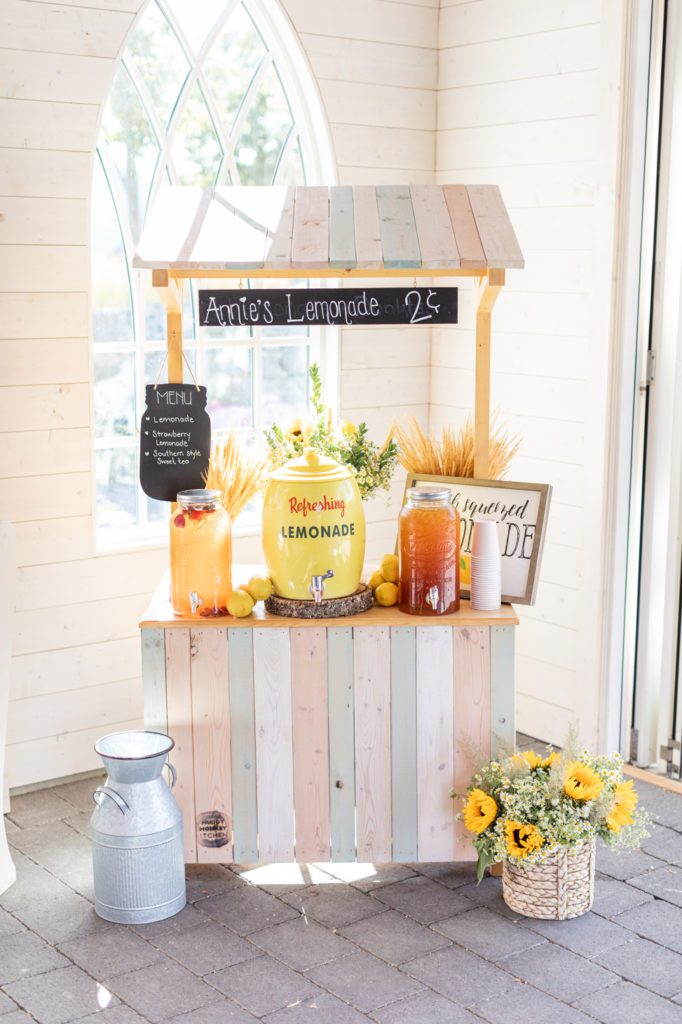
[{"x": 560, "y": 888}]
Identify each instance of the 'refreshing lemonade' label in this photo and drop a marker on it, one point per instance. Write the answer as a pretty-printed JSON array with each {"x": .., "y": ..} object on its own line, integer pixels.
[{"x": 304, "y": 508}]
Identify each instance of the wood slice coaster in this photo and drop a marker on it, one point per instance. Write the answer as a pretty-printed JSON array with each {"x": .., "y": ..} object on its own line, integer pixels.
[{"x": 330, "y": 608}]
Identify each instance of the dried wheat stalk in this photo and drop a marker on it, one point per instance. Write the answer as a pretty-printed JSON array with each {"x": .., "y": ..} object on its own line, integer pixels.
[
  {"x": 453, "y": 454},
  {"x": 237, "y": 472}
]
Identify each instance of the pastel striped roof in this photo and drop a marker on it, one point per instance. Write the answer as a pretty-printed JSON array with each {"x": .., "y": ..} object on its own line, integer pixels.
[{"x": 315, "y": 227}]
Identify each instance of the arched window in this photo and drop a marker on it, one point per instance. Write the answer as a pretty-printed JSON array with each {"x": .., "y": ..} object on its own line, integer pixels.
[{"x": 206, "y": 93}]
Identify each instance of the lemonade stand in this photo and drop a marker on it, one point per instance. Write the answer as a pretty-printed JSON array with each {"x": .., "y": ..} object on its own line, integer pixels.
[{"x": 339, "y": 738}]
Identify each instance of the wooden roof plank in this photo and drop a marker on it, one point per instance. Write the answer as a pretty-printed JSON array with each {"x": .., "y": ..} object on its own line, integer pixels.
[
  {"x": 398, "y": 229},
  {"x": 341, "y": 227},
  {"x": 368, "y": 249},
  {"x": 498, "y": 239},
  {"x": 471, "y": 253},
  {"x": 310, "y": 240},
  {"x": 434, "y": 230},
  {"x": 277, "y": 254},
  {"x": 170, "y": 221},
  {"x": 234, "y": 224}
]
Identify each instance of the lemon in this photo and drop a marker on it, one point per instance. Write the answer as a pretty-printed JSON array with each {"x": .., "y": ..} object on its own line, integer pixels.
[
  {"x": 259, "y": 587},
  {"x": 389, "y": 568},
  {"x": 375, "y": 580},
  {"x": 240, "y": 603},
  {"x": 386, "y": 594}
]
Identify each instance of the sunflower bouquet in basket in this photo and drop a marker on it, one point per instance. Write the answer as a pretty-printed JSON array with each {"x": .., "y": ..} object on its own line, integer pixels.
[{"x": 525, "y": 808}]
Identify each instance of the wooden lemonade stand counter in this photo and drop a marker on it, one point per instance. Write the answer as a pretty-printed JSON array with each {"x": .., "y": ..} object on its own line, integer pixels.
[{"x": 329, "y": 739}]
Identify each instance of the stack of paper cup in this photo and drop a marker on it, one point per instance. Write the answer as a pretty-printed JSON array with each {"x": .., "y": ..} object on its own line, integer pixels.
[{"x": 486, "y": 566}]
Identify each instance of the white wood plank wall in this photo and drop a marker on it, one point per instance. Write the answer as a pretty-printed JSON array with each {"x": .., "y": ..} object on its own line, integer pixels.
[
  {"x": 76, "y": 663},
  {"x": 523, "y": 92}
]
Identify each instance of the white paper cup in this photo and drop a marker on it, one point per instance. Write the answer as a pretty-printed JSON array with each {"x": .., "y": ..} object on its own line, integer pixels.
[{"x": 485, "y": 542}]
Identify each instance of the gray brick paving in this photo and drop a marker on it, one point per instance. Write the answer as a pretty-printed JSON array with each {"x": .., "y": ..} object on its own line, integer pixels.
[
  {"x": 587, "y": 935},
  {"x": 657, "y": 920},
  {"x": 114, "y": 951},
  {"x": 162, "y": 990},
  {"x": 612, "y": 897},
  {"x": 322, "y": 1009},
  {"x": 223, "y": 1012},
  {"x": 647, "y": 964},
  {"x": 9, "y": 925},
  {"x": 486, "y": 933},
  {"x": 664, "y": 843},
  {"x": 364, "y": 981},
  {"x": 422, "y": 899},
  {"x": 333, "y": 943},
  {"x": 60, "y": 996},
  {"x": 665, "y": 883},
  {"x": 334, "y": 905},
  {"x": 205, "y": 948},
  {"x": 626, "y": 864},
  {"x": 426, "y": 1008},
  {"x": 524, "y": 1003},
  {"x": 263, "y": 985},
  {"x": 26, "y": 954},
  {"x": 393, "y": 937},
  {"x": 627, "y": 1002},
  {"x": 6, "y": 1004},
  {"x": 301, "y": 943},
  {"x": 246, "y": 909},
  {"x": 459, "y": 975},
  {"x": 559, "y": 972}
]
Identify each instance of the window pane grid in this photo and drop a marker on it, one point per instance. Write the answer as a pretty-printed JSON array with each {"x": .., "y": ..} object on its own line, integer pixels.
[{"x": 203, "y": 104}]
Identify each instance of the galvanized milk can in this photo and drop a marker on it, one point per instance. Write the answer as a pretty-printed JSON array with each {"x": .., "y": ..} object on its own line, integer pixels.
[{"x": 136, "y": 831}]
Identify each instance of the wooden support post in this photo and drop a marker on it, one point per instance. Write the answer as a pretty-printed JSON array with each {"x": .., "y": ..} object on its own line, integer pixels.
[
  {"x": 169, "y": 290},
  {"x": 487, "y": 294}
]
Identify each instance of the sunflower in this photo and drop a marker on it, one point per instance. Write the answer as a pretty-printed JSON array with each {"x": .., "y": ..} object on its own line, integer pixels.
[
  {"x": 621, "y": 814},
  {"x": 534, "y": 760},
  {"x": 479, "y": 811},
  {"x": 521, "y": 839},
  {"x": 581, "y": 782}
]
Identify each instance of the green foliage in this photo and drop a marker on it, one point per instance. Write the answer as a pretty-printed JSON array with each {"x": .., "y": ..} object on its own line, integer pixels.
[{"x": 348, "y": 444}]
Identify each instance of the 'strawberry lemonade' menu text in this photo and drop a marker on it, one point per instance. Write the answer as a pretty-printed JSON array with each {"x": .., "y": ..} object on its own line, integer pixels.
[{"x": 312, "y": 531}]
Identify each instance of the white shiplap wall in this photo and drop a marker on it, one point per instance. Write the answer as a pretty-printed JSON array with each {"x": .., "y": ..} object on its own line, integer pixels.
[
  {"x": 76, "y": 668},
  {"x": 529, "y": 98}
]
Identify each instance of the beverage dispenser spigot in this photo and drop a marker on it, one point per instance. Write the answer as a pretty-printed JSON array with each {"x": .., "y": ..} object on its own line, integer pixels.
[{"x": 317, "y": 585}]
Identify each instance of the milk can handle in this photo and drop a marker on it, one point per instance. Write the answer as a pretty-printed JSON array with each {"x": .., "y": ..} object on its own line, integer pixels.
[
  {"x": 113, "y": 795},
  {"x": 174, "y": 774}
]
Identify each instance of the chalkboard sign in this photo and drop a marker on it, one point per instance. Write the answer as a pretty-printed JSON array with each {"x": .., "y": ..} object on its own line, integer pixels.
[
  {"x": 343, "y": 307},
  {"x": 175, "y": 440}
]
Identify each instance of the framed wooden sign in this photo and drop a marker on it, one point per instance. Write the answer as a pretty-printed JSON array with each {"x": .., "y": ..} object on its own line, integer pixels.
[
  {"x": 310, "y": 307},
  {"x": 520, "y": 511}
]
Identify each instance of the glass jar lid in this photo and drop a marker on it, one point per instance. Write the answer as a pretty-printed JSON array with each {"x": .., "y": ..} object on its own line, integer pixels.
[
  {"x": 199, "y": 498},
  {"x": 421, "y": 495}
]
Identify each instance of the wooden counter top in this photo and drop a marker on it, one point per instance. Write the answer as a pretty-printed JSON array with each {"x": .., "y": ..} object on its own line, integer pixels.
[{"x": 160, "y": 615}]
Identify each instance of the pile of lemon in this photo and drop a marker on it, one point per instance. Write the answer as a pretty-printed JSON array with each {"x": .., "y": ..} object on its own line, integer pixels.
[
  {"x": 384, "y": 582},
  {"x": 242, "y": 601}
]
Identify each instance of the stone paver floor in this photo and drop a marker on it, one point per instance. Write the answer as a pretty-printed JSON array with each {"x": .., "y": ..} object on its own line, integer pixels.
[{"x": 335, "y": 944}]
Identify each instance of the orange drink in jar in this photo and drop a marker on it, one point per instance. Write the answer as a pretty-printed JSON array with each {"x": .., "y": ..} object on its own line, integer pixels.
[
  {"x": 201, "y": 555},
  {"x": 429, "y": 553}
]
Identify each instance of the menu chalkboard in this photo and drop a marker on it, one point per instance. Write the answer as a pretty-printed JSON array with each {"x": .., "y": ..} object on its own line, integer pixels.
[{"x": 175, "y": 440}]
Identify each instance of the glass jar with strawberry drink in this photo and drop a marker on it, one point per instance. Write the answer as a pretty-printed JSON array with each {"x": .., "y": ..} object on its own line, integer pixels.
[{"x": 201, "y": 555}]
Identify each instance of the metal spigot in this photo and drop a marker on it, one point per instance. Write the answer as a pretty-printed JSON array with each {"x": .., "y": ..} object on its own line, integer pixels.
[
  {"x": 316, "y": 587},
  {"x": 432, "y": 597}
]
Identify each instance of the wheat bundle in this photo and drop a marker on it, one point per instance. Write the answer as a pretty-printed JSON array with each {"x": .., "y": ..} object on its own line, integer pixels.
[
  {"x": 453, "y": 454},
  {"x": 236, "y": 471}
]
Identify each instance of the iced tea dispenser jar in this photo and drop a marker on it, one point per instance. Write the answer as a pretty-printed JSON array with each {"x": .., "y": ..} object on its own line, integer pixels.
[
  {"x": 429, "y": 552},
  {"x": 201, "y": 549}
]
